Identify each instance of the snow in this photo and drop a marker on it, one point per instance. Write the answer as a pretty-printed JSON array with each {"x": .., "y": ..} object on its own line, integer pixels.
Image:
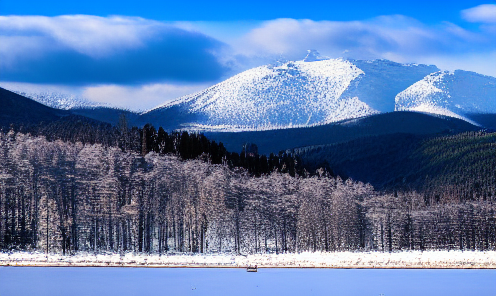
[
  {"x": 292, "y": 94},
  {"x": 313, "y": 55},
  {"x": 433, "y": 109},
  {"x": 406, "y": 259},
  {"x": 313, "y": 91},
  {"x": 60, "y": 101},
  {"x": 454, "y": 94},
  {"x": 53, "y": 99}
]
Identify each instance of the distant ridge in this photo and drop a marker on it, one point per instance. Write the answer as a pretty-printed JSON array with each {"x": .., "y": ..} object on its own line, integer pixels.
[
  {"x": 273, "y": 141},
  {"x": 59, "y": 100},
  {"x": 16, "y": 109}
]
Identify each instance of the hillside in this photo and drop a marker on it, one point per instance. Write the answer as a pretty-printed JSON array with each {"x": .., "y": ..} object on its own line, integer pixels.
[
  {"x": 273, "y": 141},
  {"x": 19, "y": 110},
  {"x": 458, "y": 166},
  {"x": 109, "y": 115},
  {"x": 58, "y": 100}
]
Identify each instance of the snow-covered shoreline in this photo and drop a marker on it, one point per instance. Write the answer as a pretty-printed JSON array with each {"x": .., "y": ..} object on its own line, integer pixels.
[{"x": 410, "y": 259}]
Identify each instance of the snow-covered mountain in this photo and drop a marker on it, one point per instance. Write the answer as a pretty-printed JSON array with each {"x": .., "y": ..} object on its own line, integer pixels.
[
  {"x": 457, "y": 94},
  {"x": 51, "y": 97},
  {"x": 59, "y": 100},
  {"x": 310, "y": 92}
]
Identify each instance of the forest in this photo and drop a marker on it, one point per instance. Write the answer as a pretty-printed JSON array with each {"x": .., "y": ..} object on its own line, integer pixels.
[
  {"x": 460, "y": 165},
  {"x": 78, "y": 129},
  {"x": 146, "y": 191}
]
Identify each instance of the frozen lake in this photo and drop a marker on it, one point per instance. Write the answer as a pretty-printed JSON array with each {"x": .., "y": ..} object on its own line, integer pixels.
[{"x": 87, "y": 281}]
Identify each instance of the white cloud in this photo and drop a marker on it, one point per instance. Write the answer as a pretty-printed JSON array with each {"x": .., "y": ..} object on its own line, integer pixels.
[
  {"x": 139, "y": 98},
  {"x": 371, "y": 38},
  {"x": 83, "y": 49},
  {"x": 485, "y": 13},
  {"x": 399, "y": 38},
  {"x": 480, "y": 63},
  {"x": 90, "y": 35}
]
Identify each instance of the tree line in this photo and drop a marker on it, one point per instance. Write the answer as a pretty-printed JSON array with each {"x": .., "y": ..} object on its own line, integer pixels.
[
  {"x": 442, "y": 168},
  {"x": 143, "y": 140},
  {"x": 65, "y": 197}
]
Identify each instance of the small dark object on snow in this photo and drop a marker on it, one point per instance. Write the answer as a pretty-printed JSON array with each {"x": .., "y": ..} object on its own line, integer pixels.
[{"x": 252, "y": 268}]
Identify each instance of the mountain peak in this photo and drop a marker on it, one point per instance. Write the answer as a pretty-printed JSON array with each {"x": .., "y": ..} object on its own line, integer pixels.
[
  {"x": 313, "y": 55},
  {"x": 457, "y": 94},
  {"x": 308, "y": 92}
]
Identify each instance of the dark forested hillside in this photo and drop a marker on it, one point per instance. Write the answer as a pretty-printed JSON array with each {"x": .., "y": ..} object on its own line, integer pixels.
[
  {"x": 460, "y": 166},
  {"x": 273, "y": 141},
  {"x": 19, "y": 110},
  {"x": 192, "y": 146},
  {"x": 109, "y": 115},
  {"x": 487, "y": 120}
]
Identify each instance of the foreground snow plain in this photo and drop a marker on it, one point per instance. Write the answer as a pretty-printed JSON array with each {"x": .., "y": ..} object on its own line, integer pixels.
[{"x": 407, "y": 259}]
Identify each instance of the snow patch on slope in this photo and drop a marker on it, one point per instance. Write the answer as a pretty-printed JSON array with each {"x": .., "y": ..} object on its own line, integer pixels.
[
  {"x": 424, "y": 92},
  {"x": 432, "y": 109}
]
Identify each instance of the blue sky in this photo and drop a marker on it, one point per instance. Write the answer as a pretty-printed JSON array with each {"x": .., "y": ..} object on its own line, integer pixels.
[
  {"x": 118, "y": 51},
  {"x": 425, "y": 11}
]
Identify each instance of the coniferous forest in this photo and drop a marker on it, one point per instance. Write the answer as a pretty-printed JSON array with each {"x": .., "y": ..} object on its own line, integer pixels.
[{"x": 118, "y": 189}]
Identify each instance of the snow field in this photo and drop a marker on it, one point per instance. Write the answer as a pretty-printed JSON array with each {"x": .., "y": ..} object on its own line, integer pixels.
[
  {"x": 453, "y": 94},
  {"x": 407, "y": 259}
]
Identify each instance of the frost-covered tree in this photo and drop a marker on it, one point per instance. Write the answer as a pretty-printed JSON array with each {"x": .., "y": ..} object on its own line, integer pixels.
[{"x": 68, "y": 197}]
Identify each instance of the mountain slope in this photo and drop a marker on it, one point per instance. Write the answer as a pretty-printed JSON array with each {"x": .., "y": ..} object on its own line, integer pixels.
[
  {"x": 59, "y": 100},
  {"x": 273, "y": 141},
  {"x": 16, "y": 109},
  {"x": 302, "y": 93},
  {"x": 109, "y": 115},
  {"x": 268, "y": 97},
  {"x": 440, "y": 164},
  {"x": 49, "y": 96},
  {"x": 460, "y": 94}
]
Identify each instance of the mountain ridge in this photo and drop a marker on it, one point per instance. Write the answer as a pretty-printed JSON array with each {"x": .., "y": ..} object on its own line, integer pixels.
[
  {"x": 456, "y": 94},
  {"x": 310, "y": 92},
  {"x": 400, "y": 122},
  {"x": 17, "y": 109}
]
